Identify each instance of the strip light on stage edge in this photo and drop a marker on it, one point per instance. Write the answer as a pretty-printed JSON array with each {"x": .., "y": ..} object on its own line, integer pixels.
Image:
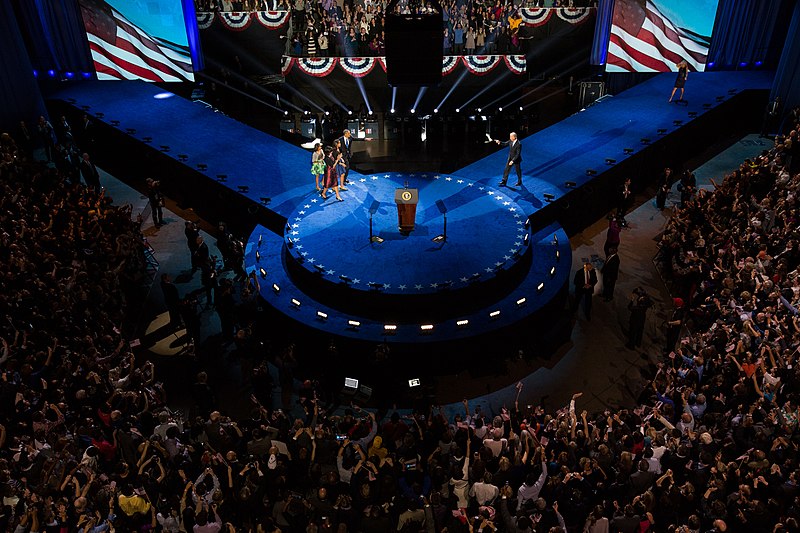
[
  {"x": 322, "y": 316},
  {"x": 263, "y": 273},
  {"x": 426, "y": 327},
  {"x": 354, "y": 323},
  {"x": 276, "y": 288},
  {"x": 521, "y": 302},
  {"x": 540, "y": 287},
  {"x": 462, "y": 323},
  {"x": 295, "y": 302},
  {"x": 552, "y": 271},
  {"x": 494, "y": 314},
  {"x": 389, "y": 328}
]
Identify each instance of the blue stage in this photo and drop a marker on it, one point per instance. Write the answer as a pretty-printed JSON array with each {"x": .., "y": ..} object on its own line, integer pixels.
[{"x": 483, "y": 232}]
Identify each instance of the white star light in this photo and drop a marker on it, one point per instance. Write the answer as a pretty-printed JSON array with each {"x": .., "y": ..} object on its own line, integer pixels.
[
  {"x": 386, "y": 175},
  {"x": 302, "y": 213},
  {"x": 314, "y": 201},
  {"x": 520, "y": 222},
  {"x": 506, "y": 203},
  {"x": 311, "y": 260},
  {"x": 480, "y": 188},
  {"x": 490, "y": 193},
  {"x": 356, "y": 281},
  {"x": 299, "y": 246},
  {"x": 488, "y": 269},
  {"x": 464, "y": 280},
  {"x": 436, "y": 177},
  {"x": 387, "y": 286},
  {"x": 512, "y": 209},
  {"x": 506, "y": 257},
  {"x": 434, "y": 285},
  {"x": 459, "y": 181},
  {"x": 517, "y": 244},
  {"x": 295, "y": 225},
  {"x": 363, "y": 180},
  {"x": 374, "y": 178},
  {"x": 498, "y": 264},
  {"x": 330, "y": 272},
  {"x": 321, "y": 266},
  {"x": 307, "y": 206},
  {"x": 448, "y": 178},
  {"x": 304, "y": 254},
  {"x": 475, "y": 275},
  {"x": 402, "y": 287},
  {"x": 516, "y": 215},
  {"x": 513, "y": 250},
  {"x": 470, "y": 184},
  {"x": 418, "y": 287},
  {"x": 295, "y": 233},
  {"x": 298, "y": 219}
]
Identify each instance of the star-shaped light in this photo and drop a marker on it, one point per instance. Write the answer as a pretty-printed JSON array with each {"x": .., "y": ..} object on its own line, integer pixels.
[
  {"x": 488, "y": 269},
  {"x": 298, "y": 219},
  {"x": 299, "y": 246},
  {"x": 412, "y": 174},
  {"x": 464, "y": 280},
  {"x": 481, "y": 188},
  {"x": 302, "y": 213},
  {"x": 512, "y": 209},
  {"x": 506, "y": 203},
  {"x": 402, "y": 287},
  {"x": 448, "y": 178},
  {"x": 387, "y": 286},
  {"x": 516, "y": 215},
  {"x": 506, "y": 257},
  {"x": 459, "y": 181},
  {"x": 470, "y": 184},
  {"x": 418, "y": 287},
  {"x": 314, "y": 201},
  {"x": 517, "y": 244},
  {"x": 295, "y": 233},
  {"x": 498, "y": 264},
  {"x": 373, "y": 178},
  {"x": 304, "y": 254},
  {"x": 436, "y": 177},
  {"x": 490, "y": 193},
  {"x": 356, "y": 281},
  {"x": 321, "y": 266},
  {"x": 434, "y": 285},
  {"x": 311, "y": 260},
  {"x": 520, "y": 222},
  {"x": 330, "y": 272},
  {"x": 499, "y": 197},
  {"x": 386, "y": 175},
  {"x": 475, "y": 275},
  {"x": 307, "y": 206},
  {"x": 295, "y": 225},
  {"x": 513, "y": 250}
]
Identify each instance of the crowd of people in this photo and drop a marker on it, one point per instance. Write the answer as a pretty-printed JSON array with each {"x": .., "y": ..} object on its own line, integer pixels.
[
  {"x": 355, "y": 28},
  {"x": 88, "y": 443}
]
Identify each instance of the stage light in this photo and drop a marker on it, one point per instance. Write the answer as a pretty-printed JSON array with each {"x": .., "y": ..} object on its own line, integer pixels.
[
  {"x": 479, "y": 110},
  {"x": 644, "y": 140},
  {"x": 86, "y": 75},
  {"x": 260, "y": 237},
  {"x": 662, "y": 131},
  {"x": 494, "y": 314},
  {"x": 345, "y": 279},
  {"x": 276, "y": 288},
  {"x": 552, "y": 271},
  {"x": 51, "y": 73},
  {"x": 413, "y": 110},
  {"x": 558, "y": 255},
  {"x": 322, "y": 316},
  {"x": 526, "y": 240},
  {"x": 320, "y": 269},
  {"x": 758, "y": 63},
  {"x": 349, "y": 111},
  {"x": 289, "y": 242},
  {"x": 555, "y": 239},
  {"x": 462, "y": 323},
  {"x": 258, "y": 256},
  {"x": 162, "y": 96},
  {"x": 295, "y": 302},
  {"x": 521, "y": 302},
  {"x": 436, "y": 110},
  {"x": 426, "y": 327},
  {"x": 306, "y": 112},
  {"x": 354, "y": 323},
  {"x": 69, "y": 75},
  {"x": 549, "y": 197},
  {"x": 591, "y": 172},
  {"x": 458, "y": 110},
  {"x": 263, "y": 273},
  {"x": 327, "y": 113},
  {"x": 243, "y": 188},
  {"x": 570, "y": 184},
  {"x": 499, "y": 109},
  {"x": 711, "y": 64},
  {"x": 610, "y": 161},
  {"x": 628, "y": 151},
  {"x": 521, "y": 108},
  {"x": 391, "y": 111},
  {"x": 414, "y": 382},
  {"x": 285, "y": 113},
  {"x": 743, "y": 64},
  {"x": 389, "y": 327},
  {"x": 540, "y": 287},
  {"x": 527, "y": 223}
]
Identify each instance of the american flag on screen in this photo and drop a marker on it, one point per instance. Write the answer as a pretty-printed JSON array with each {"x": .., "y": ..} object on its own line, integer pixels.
[
  {"x": 644, "y": 40},
  {"x": 122, "y": 51}
]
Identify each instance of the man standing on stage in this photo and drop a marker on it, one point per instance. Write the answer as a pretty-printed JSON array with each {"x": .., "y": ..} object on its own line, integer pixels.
[
  {"x": 585, "y": 279},
  {"x": 346, "y": 155},
  {"x": 514, "y": 158}
]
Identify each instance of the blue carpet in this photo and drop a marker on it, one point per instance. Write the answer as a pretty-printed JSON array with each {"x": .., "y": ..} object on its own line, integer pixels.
[{"x": 485, "y": 234}]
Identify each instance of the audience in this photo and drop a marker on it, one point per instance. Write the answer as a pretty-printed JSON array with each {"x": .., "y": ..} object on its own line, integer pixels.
[
  {"x": 355, "y": 28},
  {"x": 87, "y": 442}
]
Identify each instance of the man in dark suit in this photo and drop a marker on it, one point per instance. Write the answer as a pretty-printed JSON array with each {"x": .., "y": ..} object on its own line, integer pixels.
[
  {"x": 584, "y": 281},
  {"x": 514, "y": 158},
  {"x": 347, "y": 153},
  {"x": 172, "y": 299},
  {"x": 610, "y": 272},
  {"x": 89, "y": 173}
]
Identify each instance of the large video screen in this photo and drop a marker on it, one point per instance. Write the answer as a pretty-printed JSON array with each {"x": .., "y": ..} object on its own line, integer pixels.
[
  {"x": 656, "y": 35},
  {"x": 138, "y": 39}
]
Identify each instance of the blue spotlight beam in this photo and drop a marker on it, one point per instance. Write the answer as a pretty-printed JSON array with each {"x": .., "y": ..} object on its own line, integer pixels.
[{"x": 363, "y": 94}]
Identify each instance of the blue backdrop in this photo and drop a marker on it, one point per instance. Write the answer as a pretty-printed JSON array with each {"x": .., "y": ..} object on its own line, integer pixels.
[{"x": 787, "y": 78}]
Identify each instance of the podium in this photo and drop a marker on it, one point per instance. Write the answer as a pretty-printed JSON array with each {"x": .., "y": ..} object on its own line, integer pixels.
[{"x": 406, "y": 200}]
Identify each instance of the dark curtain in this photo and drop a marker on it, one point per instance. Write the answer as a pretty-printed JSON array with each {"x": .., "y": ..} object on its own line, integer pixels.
[
  {"x": 602, "y": 32},
  {"x": 193, "y": 35},
  {"x": 787, "y": 78},
  {"x": 54, "y": 34},
  {"x": 20, "y": 98},
  {"x": 747, "y": 31}
]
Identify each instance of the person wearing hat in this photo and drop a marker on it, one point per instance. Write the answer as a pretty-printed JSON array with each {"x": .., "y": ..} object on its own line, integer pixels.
[{"x": 674, "y": 325}]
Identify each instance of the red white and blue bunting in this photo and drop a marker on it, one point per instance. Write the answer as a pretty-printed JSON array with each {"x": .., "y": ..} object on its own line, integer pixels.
[
  {"x": 319, "y": 67},
  {"x": 272, "y": 19},
  {"x": 382, "y": 62},
  {"x": 481, "y": 65},
  {"x": 535, "y": 16},
  {"x": 449, "y": 64},
  {"x": 516, "y": 64},
  {"x": 205, "y": 20},
  {"x": 286, "y": 64},
  {"x": 358, "y": 67},
  {"x": 576, "y": 15},
  {"x": 237, "y": 21}
]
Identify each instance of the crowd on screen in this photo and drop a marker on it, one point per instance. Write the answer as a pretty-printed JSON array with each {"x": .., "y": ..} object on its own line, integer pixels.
[
  {"x": 88, "y": 443},
  {"x": 355, "y": 28}
]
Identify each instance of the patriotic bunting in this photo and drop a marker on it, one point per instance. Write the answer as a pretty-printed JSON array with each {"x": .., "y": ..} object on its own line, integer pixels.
[
  {"x": 319, "y": 67},
  {"x": 481, "y": 65},
  {"x": 577, "y": 15},
  {"x": 358, "y": 67},
  {"x": 535, "y": 16},
  {"x": 286, "y": 64},
  {"x": 516, "y": 64},
  {"x": 449, "y": 64},
  {"x": 272, "y": 19},
  {"x": 205, "y": 20},
  {"x": 237, "y": 21}
]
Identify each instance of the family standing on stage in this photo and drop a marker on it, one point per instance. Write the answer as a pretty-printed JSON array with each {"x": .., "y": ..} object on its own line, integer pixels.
[{"x": 333, "y": 163}]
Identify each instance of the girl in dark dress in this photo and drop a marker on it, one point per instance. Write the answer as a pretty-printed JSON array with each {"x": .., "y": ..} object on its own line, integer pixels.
[
  {"x": 333, "y": 158},
  {"x": 683, "y": 73}
]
